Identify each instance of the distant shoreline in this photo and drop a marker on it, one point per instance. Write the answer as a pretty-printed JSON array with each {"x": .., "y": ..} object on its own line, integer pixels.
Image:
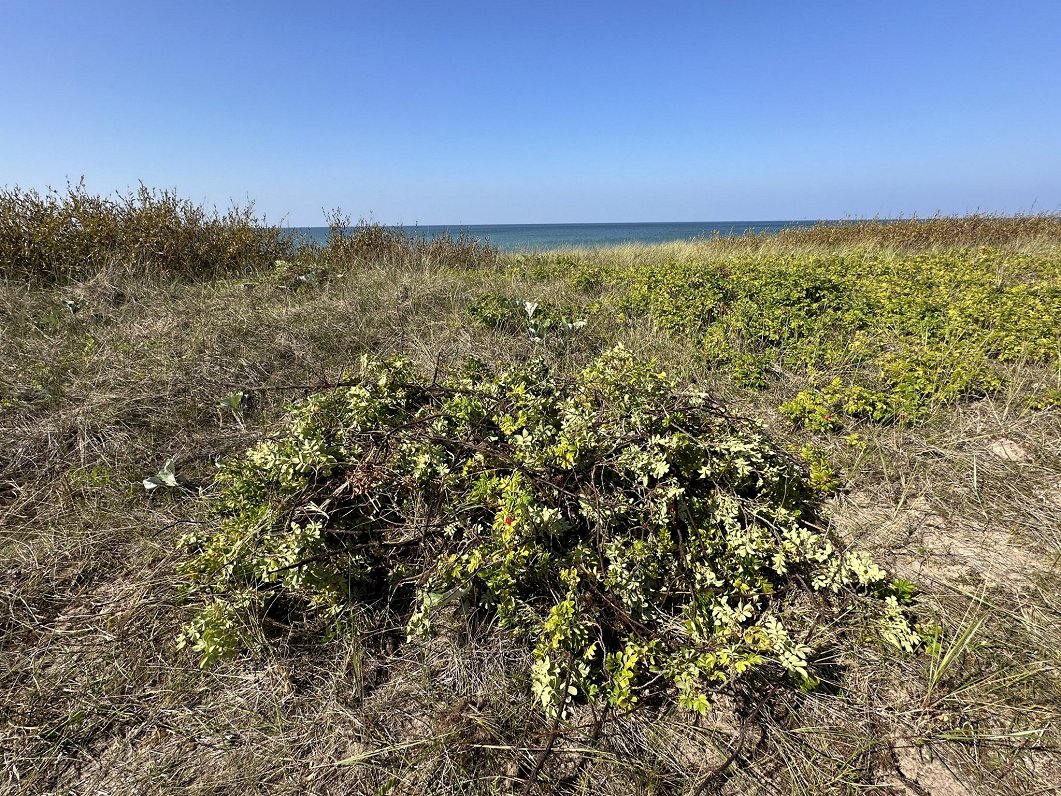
[{"x": 543, "y": 237}]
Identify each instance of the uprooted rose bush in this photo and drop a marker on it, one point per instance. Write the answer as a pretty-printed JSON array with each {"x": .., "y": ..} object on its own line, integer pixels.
[{"x": 641, "y": 541}]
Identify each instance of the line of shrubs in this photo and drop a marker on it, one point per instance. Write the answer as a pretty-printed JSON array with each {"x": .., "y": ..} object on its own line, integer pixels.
[{"x": 72, "y": 235}]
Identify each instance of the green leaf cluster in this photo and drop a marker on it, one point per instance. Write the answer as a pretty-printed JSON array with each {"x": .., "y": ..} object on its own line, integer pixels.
[
  {"x": 637, "y": 538},
  {"x": 907, "y": 387},
  {"x": 539, "y": 320},
  {"x": 909, "y": 331}
]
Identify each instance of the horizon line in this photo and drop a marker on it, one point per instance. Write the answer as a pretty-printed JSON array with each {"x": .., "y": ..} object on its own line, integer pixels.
[{"x": 598, "y": 223}]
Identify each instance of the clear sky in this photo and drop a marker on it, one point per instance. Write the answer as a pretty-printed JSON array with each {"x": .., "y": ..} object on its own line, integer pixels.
[{"x": 450, "y": 112}]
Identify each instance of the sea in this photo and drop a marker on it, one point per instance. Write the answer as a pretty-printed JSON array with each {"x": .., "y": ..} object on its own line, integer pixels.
[{"x": 538, "y": 237}]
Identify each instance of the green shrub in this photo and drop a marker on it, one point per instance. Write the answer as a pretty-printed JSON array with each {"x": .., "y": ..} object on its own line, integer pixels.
[
  {"x": 639, "y": 539},
  {"x": 75, "y": 235},
  {"x": 822, "y": 476},
  {"x": 908, "y": 386},
  {"x": 1045, "y": 399},
  {"x": 372, "y": 243}
]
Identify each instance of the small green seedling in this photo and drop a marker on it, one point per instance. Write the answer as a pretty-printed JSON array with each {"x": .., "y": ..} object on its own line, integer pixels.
[{"x": 232, "y": 402}]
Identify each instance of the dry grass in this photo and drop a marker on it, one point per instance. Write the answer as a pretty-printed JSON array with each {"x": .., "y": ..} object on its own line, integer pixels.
[
  {"x": 1030, "y": 233},
  {"x": 95, "y": 698},
  {"x": 919, "y": 234}
]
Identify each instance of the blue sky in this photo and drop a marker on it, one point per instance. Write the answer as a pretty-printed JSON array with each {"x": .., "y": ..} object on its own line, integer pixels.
[{"x": 538, "y": 112}]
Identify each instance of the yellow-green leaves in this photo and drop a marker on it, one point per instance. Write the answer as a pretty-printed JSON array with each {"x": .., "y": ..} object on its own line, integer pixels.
[
  {"x": 639, "y": 541},
  {"x": 911, "y": 332}
]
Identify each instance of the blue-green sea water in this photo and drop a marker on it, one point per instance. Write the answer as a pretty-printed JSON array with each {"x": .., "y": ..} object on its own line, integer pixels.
[{"x": 536, "y": 237}]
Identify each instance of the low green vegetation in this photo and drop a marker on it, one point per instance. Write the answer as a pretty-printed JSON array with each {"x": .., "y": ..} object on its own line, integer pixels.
[
  {"x": 908, "y": 333},
  {"x": 751, "y": 515},
  {"x": 637, "y": 537},
  {"x": 504, "y": 313}
]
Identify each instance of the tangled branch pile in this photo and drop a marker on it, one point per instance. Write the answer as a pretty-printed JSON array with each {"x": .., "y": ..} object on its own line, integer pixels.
[{"x": 637, "y": 537}]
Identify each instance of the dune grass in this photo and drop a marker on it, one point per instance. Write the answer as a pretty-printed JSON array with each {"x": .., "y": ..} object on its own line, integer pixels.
[{"x": 109, "y": 370}]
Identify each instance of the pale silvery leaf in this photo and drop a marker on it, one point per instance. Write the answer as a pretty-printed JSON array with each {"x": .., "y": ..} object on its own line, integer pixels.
[
  {"x": 165, "y": 477},
  {"x": 232, "y": 402},
  {"x": 530, "y": 307}
]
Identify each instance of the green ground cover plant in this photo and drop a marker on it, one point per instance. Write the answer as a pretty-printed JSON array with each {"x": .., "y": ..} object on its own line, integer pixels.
[
  {"x": 636, "y": 536},
  {"x": 506, "y": 313},
  {"x": 909, "y": 333}
]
